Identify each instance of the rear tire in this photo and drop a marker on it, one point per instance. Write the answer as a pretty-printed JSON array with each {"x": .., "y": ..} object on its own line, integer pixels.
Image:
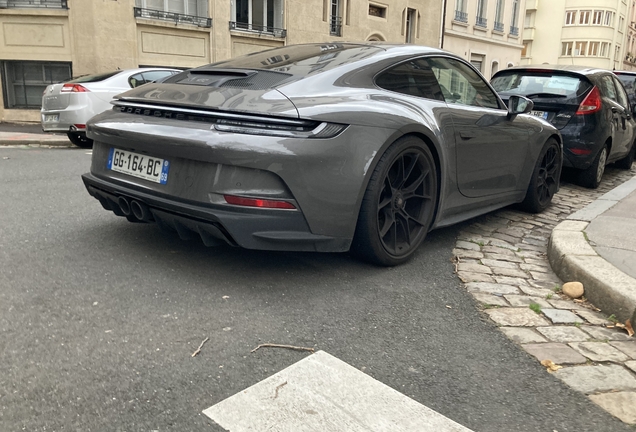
[
  {"x": 592, "y": 176},
  {"x": 545, "y": 178},
  {"x": 627, "y": 161},
  {"x": 399, "y": 204},
  {"x": 80, "y": 140}
]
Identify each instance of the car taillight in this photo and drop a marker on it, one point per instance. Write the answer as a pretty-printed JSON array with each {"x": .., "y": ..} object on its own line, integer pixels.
[
  {"x": 73, "y": 88},
  {"x": 254, "y": 202},
  {"x": 591, "y": 103}
]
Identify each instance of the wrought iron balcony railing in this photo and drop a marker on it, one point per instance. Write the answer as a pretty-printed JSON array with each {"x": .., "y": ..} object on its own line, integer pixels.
[
  {"x": 514, "y": 31},
  {"x": 177, "y": 18},
  {"x": 45, "y": 4},
  {"x": 481, "y": 22},
  {"x": 273, "y": 31},
  {"x": 335, "y": 26},
  {"x": 461, "y": 16},
  {"x": 499, "y": 26}
]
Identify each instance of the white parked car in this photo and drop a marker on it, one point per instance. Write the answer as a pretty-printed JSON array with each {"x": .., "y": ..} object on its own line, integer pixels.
[{"x": 66, "y": 107}]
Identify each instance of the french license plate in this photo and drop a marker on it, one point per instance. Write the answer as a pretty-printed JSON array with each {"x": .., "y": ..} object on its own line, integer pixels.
[
  {"x": 138, "y": 165},
  {"x": 542, "y": 114},
  {"x": 51, "y": 118}
]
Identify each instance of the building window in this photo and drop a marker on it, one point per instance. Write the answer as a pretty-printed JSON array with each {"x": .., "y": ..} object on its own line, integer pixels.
[
  {"x": 377, "y": 11},
  {"x": 609, "y": 18},
  {"x": 411, "y": 22},
  {"x": 25, "y": 81},
  {"x": 597, "y": 18},
  {"x": 41, "y": 4},
  {"x": 499, "y": 26},
  {"x": 494, "y": 68},
  {"x": 335, "y": 18},
  {"x": 617, "y": 51},
  {"x": 460, "y": 11},
  {"x": 621, "y": 24},
  {"x": 193, "y": 12},
  {"x": 514, "y": 28},
  {"x": 570, "y": 17},
  {"x": 580, "y": 49},
  {"x": 481, "y": 20},
  {"x": 604, "y": 49},
  {"x": 524, "y": 49},
  {"x": 477, "y": 61},
  {"x": 260, "y": 16},
  {"x": 566, "y": 48},
  {"x": 584, "y": 17},
  {"x": 593, "y": 49},
  {"x": 186, "y": 7}
]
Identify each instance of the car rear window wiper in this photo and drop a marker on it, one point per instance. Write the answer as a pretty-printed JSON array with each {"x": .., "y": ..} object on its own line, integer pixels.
[{"x": 545, "y": 95}]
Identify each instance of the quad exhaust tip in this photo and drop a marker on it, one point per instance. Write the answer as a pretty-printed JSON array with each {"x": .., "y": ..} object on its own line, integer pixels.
[{"x": 140, "y": 211}]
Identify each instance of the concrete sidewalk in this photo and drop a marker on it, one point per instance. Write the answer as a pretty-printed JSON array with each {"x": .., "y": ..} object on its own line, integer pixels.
[
  {"x": 31, "y": 134},
  {"x": 597, "y": 247}
]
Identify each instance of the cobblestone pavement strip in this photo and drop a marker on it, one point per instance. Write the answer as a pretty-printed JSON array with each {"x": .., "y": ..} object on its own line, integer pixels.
[{"x": 501, "y": 258}]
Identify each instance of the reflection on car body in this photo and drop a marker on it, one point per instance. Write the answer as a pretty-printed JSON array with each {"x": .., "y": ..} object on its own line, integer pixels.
[{"x": 362, "y": 147}]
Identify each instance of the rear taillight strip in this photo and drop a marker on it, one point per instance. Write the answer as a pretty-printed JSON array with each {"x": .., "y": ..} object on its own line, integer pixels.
[
  {"x": 73, "y": 88},
  {"x": 239, "y": 123}
]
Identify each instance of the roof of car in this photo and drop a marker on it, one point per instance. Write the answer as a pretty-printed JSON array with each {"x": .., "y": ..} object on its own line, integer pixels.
[{"x": 582, "y": 70}]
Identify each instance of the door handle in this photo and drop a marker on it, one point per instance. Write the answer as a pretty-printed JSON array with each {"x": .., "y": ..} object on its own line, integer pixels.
[{"x": 466, "y": 135}]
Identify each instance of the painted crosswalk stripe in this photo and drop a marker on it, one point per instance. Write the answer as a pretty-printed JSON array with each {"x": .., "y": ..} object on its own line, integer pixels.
[{"x": 323, "y": 393}]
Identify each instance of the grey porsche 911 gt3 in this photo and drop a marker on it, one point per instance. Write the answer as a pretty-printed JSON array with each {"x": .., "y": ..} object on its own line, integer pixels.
[{"x": 322, "y": 147}]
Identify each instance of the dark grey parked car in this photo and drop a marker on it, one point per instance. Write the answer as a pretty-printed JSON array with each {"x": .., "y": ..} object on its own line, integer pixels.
[
  {"x": 322, "y": 147},
  {"x": 589, "y": 107}
]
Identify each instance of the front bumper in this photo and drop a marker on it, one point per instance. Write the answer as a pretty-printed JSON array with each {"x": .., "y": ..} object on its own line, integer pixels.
[{"x": 264, "y": 229}]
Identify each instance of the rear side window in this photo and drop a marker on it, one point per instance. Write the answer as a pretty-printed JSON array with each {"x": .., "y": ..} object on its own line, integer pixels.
[
  {"x": 146, "y": 77},
  {"x": 460, "y": 84},
  {"x": 623, "y": 100},
  {"x": 411, "y": 78},
  {"x": 94, "y": 78},
  {"x": 527, "y": 83},
  {"x": 606, "y": 85}
]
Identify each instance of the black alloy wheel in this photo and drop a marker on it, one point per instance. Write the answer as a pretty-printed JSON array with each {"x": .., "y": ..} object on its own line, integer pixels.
[
  {"x": 399, "y": 204},
  {"x": 545, "y": 178}
]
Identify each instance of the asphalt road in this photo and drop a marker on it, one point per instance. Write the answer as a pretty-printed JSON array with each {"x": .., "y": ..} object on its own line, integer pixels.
[{"x": 99, "y": 318}]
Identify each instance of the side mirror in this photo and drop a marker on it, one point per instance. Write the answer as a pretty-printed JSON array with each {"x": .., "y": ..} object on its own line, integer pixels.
[{"x": 519, "y": 105}]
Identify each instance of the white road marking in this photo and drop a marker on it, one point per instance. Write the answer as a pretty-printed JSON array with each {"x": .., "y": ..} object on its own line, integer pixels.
[{"x": 323, "y": 393}]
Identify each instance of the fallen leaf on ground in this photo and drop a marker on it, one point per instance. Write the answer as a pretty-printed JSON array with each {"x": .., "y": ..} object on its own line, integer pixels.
[
  {"x": 629, "y": 328},
  {"x": 550, "y": 366}
]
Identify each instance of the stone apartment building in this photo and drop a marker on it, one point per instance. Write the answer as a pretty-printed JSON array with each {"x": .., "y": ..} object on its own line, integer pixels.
[
  {"x": 485, "y": 32},
  {"x": 46, "y": 41},
  {"x": 588, "y": 33}
]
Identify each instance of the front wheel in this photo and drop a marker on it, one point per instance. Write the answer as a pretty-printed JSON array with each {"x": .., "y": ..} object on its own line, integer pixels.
[
  {"x": 545, "y": 178},
  {"x": 80, "y": 140},
  {"x": 398, "y": 205},
  {"x": 592, "y": 176}
]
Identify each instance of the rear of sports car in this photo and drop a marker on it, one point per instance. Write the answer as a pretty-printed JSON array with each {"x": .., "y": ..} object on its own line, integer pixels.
[{"x": 223, "y": 154}]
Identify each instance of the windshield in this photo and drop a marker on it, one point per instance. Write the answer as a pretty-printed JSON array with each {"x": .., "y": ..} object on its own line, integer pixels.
[
  {"x": 627, "y": 80},
  {"x": 542, "y": 84}
]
